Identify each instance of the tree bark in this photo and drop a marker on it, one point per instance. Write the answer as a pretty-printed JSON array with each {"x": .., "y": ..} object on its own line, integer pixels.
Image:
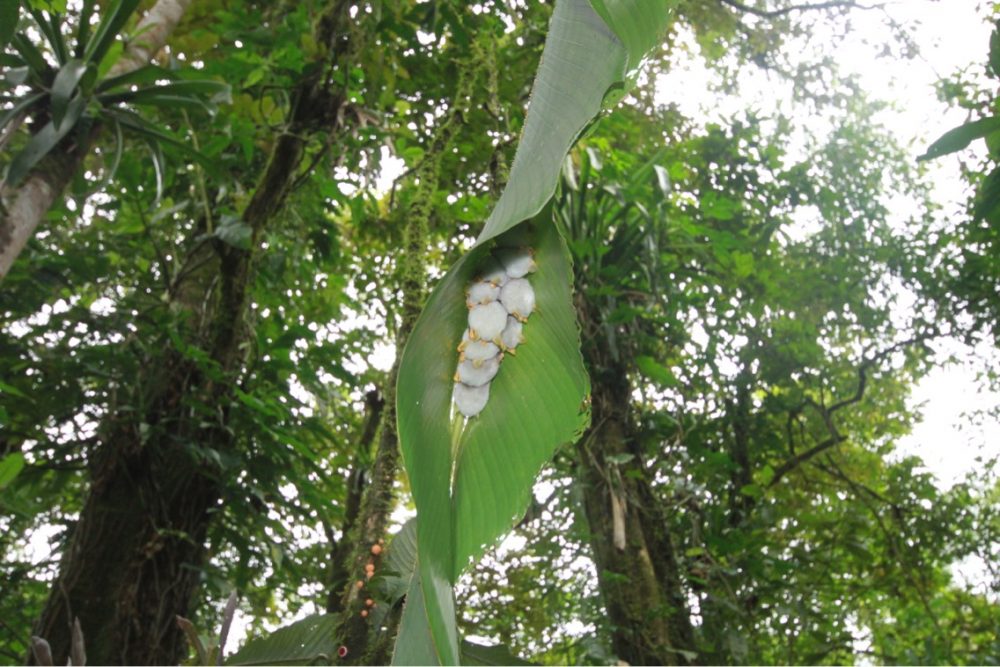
[
  {"x": 22, "y": 208},
  {"x": 356, "y": 485},
  {"x": 134, "y": 557},
  {"x": 637, "y": 568}
]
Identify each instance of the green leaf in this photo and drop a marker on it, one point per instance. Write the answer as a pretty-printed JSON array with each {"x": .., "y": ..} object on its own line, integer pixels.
[
  {"x": 137, "y": 124},
  {"x": 42, "y": 143},
  {"x": 189, "y": 94},
  {"x": 400, "y": 563},
  {"x": 32, "y": 56},
  {"x": 415, "y": 644},
  {"x": 960, "y": 137},
  {"x": 147, "y": 75},
  {"x": 655, "y": 371},
  {"x": 64, "y": 87},
  {"x": 9, "y": 10},
  {"x": 581, "y": 60},
  {"x": 478, "y": 654},
  {"x": 19, "y": 107},
  {"x": 83, "y": 32},
  {"x": 471, "y": 479},
  {"x": 639, "y": 24},
  {"x": 10, "y": 466},
  {"x": 12, "y": 390},
  {"x": 995, "y": 51},
  {"x": 536, "y": 404},
  {"x": 49, "y": 26},
  {"x": 108, "y": 29},
  {"x": 304, "y": 642}
]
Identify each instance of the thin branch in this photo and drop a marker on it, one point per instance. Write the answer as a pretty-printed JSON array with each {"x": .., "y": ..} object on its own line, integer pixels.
[
  {"x": 794, "y": 462},
  {"x": 775, "y": 13}
]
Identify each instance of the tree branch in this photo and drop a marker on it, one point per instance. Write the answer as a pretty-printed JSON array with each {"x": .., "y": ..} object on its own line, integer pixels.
[
  {"x": 775, "y": 13},
  {"x": 794, "y": 462}
]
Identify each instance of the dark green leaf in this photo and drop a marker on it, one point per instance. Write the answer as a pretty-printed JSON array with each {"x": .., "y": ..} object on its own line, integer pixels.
[
  {"x": 960, "y": 137},
  {"x": 41, "y": 143},
  {"x": 146, "y": 75},
  {"x": 484, "y": 656},
  {"x": 83, "y": 32},
  {"x": 8, "y": 20},
  {"x": 49, "y": 26},
  {"x": 32, "y": 56},
  {"x": 10, "y": 466},
  {"x": 21, "y": 106},
  {"x": 108, "y": 29},
  {"x": 304, "y": 642},
  {"x": 64, "y": 87}
]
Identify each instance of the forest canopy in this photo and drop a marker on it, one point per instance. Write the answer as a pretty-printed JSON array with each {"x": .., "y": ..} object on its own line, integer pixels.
[{"x": 435, "y": 332}]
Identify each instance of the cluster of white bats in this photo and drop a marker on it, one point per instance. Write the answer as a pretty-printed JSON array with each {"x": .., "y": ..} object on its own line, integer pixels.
[{"x": 500, "y": 301}]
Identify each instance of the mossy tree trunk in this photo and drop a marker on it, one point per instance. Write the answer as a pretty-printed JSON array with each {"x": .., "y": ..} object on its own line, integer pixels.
[{"x": 632, "y": 549}]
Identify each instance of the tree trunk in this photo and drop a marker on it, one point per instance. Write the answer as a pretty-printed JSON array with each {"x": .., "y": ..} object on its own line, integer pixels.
[
  {"x": 22, "y": 209},
  {"x": 134, "y": 560},
  {"x": 637, "y": 568},
  {"x": 356, "y": 484}
]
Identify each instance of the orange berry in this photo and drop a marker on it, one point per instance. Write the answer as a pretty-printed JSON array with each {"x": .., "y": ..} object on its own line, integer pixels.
[
  {"x": 360, "y": 584},
  {"x": 370, "y": 602},
  {"x": 369, "y": 567},
  {"x": 376, "y": 549},
  {"x": 364, "y": 613}
]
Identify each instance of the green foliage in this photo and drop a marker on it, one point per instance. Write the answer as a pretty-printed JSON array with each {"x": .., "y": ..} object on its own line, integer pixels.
[
  {"x": 743, "y": 284},
  {"x": 76, "y": 97}
]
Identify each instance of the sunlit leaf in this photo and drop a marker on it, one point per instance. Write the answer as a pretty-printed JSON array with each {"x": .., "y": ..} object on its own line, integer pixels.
[{"x": 960, "y": 137}]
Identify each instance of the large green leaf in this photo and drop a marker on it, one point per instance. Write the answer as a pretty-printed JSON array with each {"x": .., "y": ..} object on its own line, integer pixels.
[
  {"x": 306, "y": 642},
  {"x": 107, "y": 30},
  {"x": 639, "y": 24},
  {"x": 415, "y": 644},
  {"x": 536, "y": 404},
  {"x": 582, "y": 59},
  {"x": 471, "y": 479},
  {"x": 583, "y": 62}
]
